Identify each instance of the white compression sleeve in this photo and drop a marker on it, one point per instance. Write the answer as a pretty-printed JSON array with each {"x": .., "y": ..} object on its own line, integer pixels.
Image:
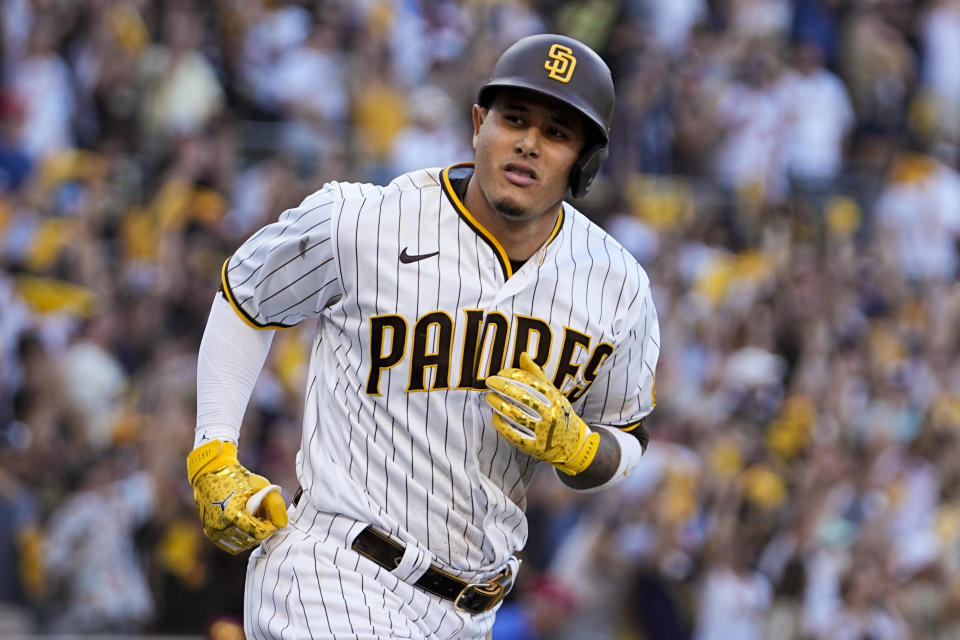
[
  {"x": 630, "y": 452},
  {"x": 231, "y": 356}
]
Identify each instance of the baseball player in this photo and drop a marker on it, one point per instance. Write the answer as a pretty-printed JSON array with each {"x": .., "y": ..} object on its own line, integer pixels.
[{"x": 470, "y": 325}]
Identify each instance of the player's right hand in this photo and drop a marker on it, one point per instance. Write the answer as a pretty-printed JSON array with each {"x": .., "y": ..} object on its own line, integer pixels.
[{"x": 238, "y": 509}]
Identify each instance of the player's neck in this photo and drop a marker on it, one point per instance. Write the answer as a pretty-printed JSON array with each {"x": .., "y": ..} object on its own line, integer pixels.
[{"x": 519, "y": 238}]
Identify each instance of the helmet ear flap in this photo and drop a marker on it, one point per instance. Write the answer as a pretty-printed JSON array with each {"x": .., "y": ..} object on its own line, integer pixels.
[{"x": 585, "y": 169}]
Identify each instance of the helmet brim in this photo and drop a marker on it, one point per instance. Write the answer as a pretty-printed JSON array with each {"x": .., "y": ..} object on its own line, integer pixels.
[{"x": 488, "y": 92}]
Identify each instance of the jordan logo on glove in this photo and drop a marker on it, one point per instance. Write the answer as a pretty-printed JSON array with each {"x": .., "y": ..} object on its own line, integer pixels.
[
  {"x": 217, "y": 478},
  {"x": 223, "y": 503}
]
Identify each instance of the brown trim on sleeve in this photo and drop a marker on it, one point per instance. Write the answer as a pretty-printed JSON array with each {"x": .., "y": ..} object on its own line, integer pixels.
[
  {"x": 639, "y": 430},
  {"x": 228, "y": 294}
]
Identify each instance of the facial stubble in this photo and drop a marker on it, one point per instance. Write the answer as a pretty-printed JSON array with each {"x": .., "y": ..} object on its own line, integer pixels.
[{"x": 509, "y": 210}]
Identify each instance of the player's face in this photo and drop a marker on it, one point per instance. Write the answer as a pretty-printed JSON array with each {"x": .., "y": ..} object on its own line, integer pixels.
[{"x": 525, "y": 145}]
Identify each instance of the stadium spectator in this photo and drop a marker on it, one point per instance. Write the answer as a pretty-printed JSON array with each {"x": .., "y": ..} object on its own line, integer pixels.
[{"x": 818, "y": 118}]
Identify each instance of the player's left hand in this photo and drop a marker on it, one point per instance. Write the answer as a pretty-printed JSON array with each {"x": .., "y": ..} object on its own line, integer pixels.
[
  {"x": 239, "y": 509},
  {"x": 536, "y": 418}
]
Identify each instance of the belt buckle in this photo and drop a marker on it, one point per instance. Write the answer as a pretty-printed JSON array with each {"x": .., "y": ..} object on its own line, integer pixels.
[
  {"x": 471, "y": 597},
  {"x": 496, "y": 590}
]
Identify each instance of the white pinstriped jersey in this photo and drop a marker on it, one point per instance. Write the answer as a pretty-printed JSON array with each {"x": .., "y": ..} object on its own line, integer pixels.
[{"x": 415, "y": 303}]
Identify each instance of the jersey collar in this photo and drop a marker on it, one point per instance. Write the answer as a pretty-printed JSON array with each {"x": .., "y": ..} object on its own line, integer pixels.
[{"x": 465, "y": 169}]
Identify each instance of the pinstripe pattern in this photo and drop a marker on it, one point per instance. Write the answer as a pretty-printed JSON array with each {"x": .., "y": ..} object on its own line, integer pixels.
[
  {"x": 305, "y": 583},
  {"x": 425, "y": 466}
]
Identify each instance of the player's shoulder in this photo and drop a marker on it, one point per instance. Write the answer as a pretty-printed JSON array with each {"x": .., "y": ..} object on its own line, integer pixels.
[
  {"x": 335, "y": 198},
  {"x": 588, "y": 233},
  {"x": 336, "y": 190},
  {"x": 417, "y": 180}
]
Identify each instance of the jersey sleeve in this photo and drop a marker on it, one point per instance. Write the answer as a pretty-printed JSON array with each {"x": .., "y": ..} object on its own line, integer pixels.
[
  {"x": 623, "y": 393},
  {"x": 286, "y": 272}
]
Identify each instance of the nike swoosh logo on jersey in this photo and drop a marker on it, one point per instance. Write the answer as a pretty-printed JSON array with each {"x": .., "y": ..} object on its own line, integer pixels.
[{"x": 406, "y": 258}]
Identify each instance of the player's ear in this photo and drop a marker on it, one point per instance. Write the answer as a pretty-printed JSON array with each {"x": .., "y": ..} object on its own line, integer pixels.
[{"x": 479, "y": 115}]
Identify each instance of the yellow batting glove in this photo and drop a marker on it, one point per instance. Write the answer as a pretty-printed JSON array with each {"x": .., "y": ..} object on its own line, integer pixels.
[
  {"x": 238, "y": 509},
  {"x": 536, "y": 418}
]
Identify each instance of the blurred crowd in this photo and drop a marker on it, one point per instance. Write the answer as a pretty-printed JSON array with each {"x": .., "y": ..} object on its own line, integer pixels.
[{"x": 786, "y": 171}]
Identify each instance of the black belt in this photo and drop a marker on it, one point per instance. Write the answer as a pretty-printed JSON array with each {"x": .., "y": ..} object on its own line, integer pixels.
[{"x": 473, "y": 597}]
